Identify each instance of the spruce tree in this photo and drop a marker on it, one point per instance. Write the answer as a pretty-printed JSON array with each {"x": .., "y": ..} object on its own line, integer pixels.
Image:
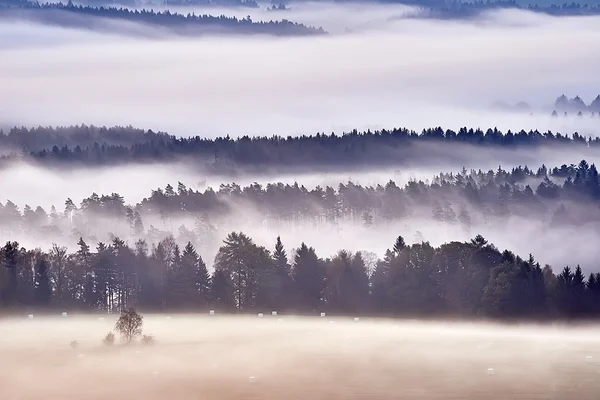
[{"x": 42, "y": 290}]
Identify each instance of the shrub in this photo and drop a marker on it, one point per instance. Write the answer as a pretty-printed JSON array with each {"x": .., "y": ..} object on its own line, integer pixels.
[
  {"x": 109, "y": 339},
  {"x": 74, "y": 343},
  {"x": 148, "y": 340}
]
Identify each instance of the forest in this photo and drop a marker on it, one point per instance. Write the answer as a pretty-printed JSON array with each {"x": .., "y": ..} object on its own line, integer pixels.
[
  {"x": 470, "y": 279},
  {"x": 93, "y": 146},
  {"x": 564, "y": 197},
  {"x": 460, "y": 9},
  {"x": 561, "y": 196},
  {"x": 189, "y": 25}
]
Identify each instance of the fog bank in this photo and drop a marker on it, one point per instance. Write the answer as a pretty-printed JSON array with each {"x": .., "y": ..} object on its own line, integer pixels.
[
  {"x": 232, "y": 357},
  {"x": 413, "y": 73}
]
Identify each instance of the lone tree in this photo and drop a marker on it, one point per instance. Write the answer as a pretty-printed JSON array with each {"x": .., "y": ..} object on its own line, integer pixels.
[{"x": 129, "y": 324}]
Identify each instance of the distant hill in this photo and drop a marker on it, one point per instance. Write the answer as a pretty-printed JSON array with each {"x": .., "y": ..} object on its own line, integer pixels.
[{"x": 188, "y": 25}]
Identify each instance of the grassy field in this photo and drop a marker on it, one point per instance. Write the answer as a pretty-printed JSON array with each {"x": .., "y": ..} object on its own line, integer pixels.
[{"x": 214, "y": 357}]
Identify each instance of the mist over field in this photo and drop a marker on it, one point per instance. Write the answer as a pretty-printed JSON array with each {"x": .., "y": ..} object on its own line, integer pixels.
[
  {"x": 321, "y": 358},
  {"x": 133, "y": 179},
  {"x": 409, "y": 72}
]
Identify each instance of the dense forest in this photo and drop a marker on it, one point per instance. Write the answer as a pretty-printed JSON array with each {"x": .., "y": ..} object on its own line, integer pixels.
[
  {"x": 460, "y": 9},
  {"x": 93, "y": 144},
  {"x": 219, "y": 3},
  {"x": 190, "y": 24},
  {"x": 456, "y": 279},
  {"x": 394, "y": 147},
  {"x": 565, "y": 196}
]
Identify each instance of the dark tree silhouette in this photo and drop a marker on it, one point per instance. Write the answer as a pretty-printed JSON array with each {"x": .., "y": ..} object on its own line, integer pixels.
[{"x": 129, "y": 324}]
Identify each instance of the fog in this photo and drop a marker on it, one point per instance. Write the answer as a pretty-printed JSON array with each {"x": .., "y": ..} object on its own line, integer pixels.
[
  {"x": 296, "y": 358},
  {"x": 525, "y": 232},
  {"x": 27, "y": 184},
  {"x": 135, "y": 181},
  {"x": 405, "y": 72}
]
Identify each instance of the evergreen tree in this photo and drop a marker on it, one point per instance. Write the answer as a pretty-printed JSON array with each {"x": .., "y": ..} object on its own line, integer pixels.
[
  {"x": 221, "y": 291},
  {"x": 283, "y": 275},
  {"x": 309, "y": 279},
  {"x": 43, "y": 289}
]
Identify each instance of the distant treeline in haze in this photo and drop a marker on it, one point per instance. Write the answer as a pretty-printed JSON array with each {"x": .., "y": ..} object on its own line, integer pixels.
[
  {"x": 88, "y": 145},
  {"x": 190, "y": 24},
  {"x": 457, "y": 279},
  {"x": 565, "y": 196},
  {"x": 460, "y": 9}
]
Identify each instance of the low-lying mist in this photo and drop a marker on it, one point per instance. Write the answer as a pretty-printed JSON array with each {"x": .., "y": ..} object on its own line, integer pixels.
[
  {"x": 409, "y": 72},
  {"x": 359, "y": 219},
  {"x": 297, "y": 358},
  {"x": 134, "y": 181}
]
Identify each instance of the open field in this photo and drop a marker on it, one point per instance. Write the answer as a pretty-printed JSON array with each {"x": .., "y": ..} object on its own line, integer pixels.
[{"x": 216, "y": 357}]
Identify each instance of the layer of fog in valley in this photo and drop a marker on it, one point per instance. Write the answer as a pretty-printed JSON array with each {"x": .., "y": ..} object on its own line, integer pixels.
[
  {"x": 525, "y": 212},
  {"x": 408, "y": 72},
  {"x": 420, "y": 161},
  {"x": 296, "y": 358}
]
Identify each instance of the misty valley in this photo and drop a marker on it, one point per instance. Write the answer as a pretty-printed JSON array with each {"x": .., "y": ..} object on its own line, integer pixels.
[{"x": 225, "y": 199}]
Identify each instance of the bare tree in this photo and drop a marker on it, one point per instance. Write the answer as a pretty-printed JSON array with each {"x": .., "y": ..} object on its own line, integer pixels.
[{"x": 129, "y": 324}]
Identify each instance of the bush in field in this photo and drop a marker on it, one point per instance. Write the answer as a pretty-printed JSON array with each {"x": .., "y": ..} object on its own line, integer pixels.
[
  {"x": 109, "y": 339},
  {"x": 148, "y": 340},
  {"x": 129, "y": 324},
  {"x": 74, "y": 343}
]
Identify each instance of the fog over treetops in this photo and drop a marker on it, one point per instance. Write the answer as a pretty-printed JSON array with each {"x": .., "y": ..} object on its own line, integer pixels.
[
  {"x": 343, "y": 176},
  {"x": 413, "y": 72}
]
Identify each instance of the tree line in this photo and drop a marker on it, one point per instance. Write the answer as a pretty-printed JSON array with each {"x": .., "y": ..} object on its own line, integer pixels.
[
  {"x": 219, "y": 3},
  {"x": 190, "y": 24},
  {"x": 224, "y": 154},
  {"x": 458, "y": 279},
  {"x": 459, "y": 9},
  {"x": 561, "y": 196}
]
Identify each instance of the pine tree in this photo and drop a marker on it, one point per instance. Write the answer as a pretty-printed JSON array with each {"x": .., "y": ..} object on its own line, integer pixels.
[
  {"x": 43, "y": 290},
  {"x": 309, "y": 279},
  {"x": 9, "y": 255},
  {"x": 221, "y": 291},
  {"x": 283, "y": 275},
  {"x": 399, "y": 245}
]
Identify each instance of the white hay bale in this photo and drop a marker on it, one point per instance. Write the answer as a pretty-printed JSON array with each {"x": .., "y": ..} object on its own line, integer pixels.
[
  {"x": 491, "y": 371},
  {"x": 30, "y": 316},
  {"x": 323, "y": 315},
  {"x": 260, "y": 315},
  {"x": 64, "y": 314},
  {"x": 589, "y": 358},
  {"x": 211, "y": 312},
  {"x": 356, "y": 319},
  {"x": 274, "y": 313},
  {"x": 252, "y": 379}
]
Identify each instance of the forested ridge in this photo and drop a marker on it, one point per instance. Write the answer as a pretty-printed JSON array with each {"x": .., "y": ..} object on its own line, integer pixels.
[
  {"x": 565, "y": 196},
  {"x": 460, "y": 9},
  {"x": 190, "y": 24},
  {"x": 89, "y": 145}
]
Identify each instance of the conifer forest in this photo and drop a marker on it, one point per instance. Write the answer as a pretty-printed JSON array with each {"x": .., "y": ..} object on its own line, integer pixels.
[{"x": 302, "y": 199}]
